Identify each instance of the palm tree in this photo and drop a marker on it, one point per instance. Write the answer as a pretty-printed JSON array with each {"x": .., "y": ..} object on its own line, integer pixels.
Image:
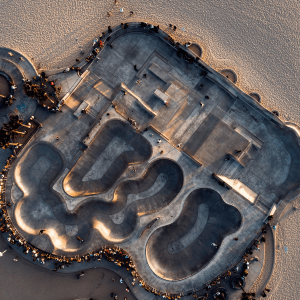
[
  {"x": 11, "y": 129},
  {"x": 16, "y": 122},
  {"x": 5, "y": 140},
  {"x": 34, "y": 90}
]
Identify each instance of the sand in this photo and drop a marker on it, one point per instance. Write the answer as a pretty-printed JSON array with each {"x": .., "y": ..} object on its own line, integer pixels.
[
  {"x": 258, "y": 39},
  {"x": 285, "y": 279}
]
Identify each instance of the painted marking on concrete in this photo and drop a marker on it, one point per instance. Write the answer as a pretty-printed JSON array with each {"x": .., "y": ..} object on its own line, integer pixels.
[{"x": 21, "y": 108}]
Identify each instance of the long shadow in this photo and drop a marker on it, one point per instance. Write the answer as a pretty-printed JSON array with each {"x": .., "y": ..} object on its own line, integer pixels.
[
  {"x": 140, "y": 150},
  {"x": 96, "y": 211}
]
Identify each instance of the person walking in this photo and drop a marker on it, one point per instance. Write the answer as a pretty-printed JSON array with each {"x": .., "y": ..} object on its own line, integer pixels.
[{"x": 80, "y": 275}]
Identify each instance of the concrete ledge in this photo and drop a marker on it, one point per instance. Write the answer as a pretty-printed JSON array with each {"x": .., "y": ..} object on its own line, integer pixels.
[
  {"x": 159, "y": 72},
  {"x": 142, "y": 103},
  {"x": 193, "y": 159},
  {"x": 158, "y": 132},
  {"x": 239, "y": 188},
  {"x": 92, "y": 133},
  {"x": 82, "y": 106},
  {"x": 162, "y": 96},
  {"x": 221, "y": 82},
  {"x": 75, "y": 86}
]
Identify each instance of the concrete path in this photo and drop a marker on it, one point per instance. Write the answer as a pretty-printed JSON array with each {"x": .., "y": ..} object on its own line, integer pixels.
[{"x": 125, "y": 187}]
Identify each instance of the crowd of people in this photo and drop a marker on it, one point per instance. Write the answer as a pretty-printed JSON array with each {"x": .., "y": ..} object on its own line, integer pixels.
[
  {"x": 112, "y": 254},
  {"x": 37, "y": 88},
  {"x": 44, "y": 91}
]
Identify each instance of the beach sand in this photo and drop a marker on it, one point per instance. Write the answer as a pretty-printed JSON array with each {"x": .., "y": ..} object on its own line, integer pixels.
[
  {"x": 258, "y": 39},
  {"x": 285, "y": 279}
]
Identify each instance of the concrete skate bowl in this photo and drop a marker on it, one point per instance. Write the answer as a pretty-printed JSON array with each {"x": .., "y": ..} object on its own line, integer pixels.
[
  {"x": 196, "y": 49},
  {"x": 183, "y": 248},
  {"x": 229, "y": 74},
  {"x": 115, "y": 147},
  {"x": 256, "y": 97},
  {"x": 96, "y": 221}
]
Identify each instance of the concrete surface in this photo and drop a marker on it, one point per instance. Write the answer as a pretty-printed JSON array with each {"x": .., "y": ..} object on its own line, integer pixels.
[
  {"x": 109, "y": 189},
  {"x": 184, "y": 247}
]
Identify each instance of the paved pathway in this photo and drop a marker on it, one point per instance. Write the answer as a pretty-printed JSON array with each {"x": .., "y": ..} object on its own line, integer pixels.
[{"x": 257, "y": 142}]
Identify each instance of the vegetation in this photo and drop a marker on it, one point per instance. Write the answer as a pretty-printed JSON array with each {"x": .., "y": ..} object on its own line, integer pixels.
[{"x": 10, "y": 130}]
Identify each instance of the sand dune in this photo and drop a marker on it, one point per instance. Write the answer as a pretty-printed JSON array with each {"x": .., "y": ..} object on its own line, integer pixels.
[{"x": 258, "y": 39}]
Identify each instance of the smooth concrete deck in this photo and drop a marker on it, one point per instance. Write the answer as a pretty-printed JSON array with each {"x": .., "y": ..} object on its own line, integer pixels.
[
  {"x": 23, "y": 105},
  {"x": 240, "y": 140}
]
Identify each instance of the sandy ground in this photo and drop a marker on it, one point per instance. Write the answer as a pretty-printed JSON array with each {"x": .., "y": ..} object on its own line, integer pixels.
[
  {"x": 258, "y": 39},
  {"x": 23, "y": 280},
  {"x": 285, "y": 279}
]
